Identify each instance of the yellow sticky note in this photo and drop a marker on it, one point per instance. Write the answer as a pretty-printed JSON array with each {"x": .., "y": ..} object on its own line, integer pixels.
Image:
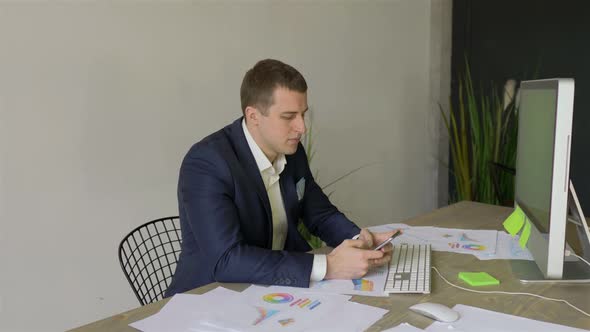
[
  {"x": 514, "y": 222},
  {"x": 526, "y": 232}
]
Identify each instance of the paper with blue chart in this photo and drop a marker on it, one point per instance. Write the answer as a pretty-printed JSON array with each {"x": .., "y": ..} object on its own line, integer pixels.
[
  {"x": 464, "y": 241},
  {"x": 295, "y": 309},
  {"x": 261, "y": 309},
  {"x": 268, "y": 309},
  {"x": 507, "y": 247},
  {"x": 372, "y": 284}
]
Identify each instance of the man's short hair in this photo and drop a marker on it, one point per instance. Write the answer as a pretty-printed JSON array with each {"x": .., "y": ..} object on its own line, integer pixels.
[{"x": 261, "y": 81}]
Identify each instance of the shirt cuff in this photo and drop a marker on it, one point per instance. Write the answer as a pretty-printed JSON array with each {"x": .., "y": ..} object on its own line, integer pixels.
[{"x": 319, "y": 268}]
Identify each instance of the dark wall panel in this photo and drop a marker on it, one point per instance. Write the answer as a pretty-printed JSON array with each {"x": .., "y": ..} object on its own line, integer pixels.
[{"x": 531, "y": 39}]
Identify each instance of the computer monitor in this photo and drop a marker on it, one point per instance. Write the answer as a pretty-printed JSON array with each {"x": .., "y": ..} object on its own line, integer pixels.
[{"x": 545, "y": 115}]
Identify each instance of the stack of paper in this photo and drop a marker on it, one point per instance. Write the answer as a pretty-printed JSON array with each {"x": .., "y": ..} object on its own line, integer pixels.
[
  {"x": 464, "y": 241},
  {"x": 507, "y": 247},
  {"x": 473, "y": 317},
  {"x": 483, "y": 244},
  {"x": 481, "y": 320},
  {"x": 261, "y": 309}
]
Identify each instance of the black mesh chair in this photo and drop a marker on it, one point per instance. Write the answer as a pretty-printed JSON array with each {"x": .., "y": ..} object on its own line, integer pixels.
[{"x": 148, "y": 256}]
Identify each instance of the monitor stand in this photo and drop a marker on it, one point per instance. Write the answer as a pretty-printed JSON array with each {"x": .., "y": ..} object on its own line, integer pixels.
[{"x": 575, "y": 271}]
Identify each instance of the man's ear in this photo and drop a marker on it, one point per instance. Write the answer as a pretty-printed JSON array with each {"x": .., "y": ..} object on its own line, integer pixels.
[{"x": 251, "y": 114}]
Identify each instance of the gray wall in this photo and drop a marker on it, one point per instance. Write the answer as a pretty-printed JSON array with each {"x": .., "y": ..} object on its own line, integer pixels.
[{"x": 100, "y": 101}]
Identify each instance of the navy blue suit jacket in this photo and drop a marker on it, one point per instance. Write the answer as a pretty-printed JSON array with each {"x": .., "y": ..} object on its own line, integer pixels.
[{"x": 226, "y": 223}]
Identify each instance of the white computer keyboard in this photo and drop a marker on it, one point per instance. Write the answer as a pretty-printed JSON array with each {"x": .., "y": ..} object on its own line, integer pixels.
[{"x": 409, "y": 270}]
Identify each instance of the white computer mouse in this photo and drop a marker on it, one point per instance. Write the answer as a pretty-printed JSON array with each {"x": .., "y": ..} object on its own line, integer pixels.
[{"x": 436, "y": 311}]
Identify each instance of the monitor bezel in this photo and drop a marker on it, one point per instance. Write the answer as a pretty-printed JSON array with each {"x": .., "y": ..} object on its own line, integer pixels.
[{"x": 548, "y": 250}]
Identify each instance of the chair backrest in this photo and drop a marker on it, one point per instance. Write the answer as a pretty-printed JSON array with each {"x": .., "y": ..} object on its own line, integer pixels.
[{"x": 148, "y": 256}]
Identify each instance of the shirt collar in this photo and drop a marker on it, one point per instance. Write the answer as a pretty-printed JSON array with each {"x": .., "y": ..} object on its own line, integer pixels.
[{"x": 261, "y": 160}]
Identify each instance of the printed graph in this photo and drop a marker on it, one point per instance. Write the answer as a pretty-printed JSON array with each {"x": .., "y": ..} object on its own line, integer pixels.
[
  {"x": 277, "y": 298},
  {"x": 306, "y": 303},
  {"x": 362, "y": 285},
  {"x": 470, "y": 246},
  {"x": 264, "y": 314},
  {"x": 464, "y": 237},
  {"x": 286, "y": 322}
]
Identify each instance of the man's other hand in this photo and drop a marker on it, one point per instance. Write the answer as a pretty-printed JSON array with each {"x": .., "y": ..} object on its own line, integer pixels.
[
  {"x": 372, "y": 240},
  {"x": 352, "y": 259}
]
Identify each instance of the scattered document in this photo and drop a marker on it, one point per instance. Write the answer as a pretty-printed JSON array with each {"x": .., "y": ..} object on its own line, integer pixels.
[
  {"x": 372, "y": 284},
  {"x": 260, "y": 308},
  {"x": 186, "y": 312},
  {"x": 464, "y": 241},
  {"x": 288, "y": 308},
  {"x": 472, "y": 319},
  {"x": 507, "y": 247}
]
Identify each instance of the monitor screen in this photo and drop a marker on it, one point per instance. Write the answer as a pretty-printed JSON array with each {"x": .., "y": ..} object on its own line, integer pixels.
[
  {"x": 537, "y": 113},
  {"x": 545, "y": 113}
]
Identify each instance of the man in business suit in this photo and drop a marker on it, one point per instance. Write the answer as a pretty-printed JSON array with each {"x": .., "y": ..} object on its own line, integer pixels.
[{"x": 243, "y": 189}]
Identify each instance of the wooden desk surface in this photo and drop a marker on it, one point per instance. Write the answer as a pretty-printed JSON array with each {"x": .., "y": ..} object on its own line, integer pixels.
[{"x": 468, "y": 215}]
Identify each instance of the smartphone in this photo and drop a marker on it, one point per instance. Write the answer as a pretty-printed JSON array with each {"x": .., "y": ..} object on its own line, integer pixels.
[{"x": 384, "y": 243}]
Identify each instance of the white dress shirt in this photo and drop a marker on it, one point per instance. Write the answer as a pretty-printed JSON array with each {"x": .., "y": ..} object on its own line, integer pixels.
[{"x": 270, "y": 174}]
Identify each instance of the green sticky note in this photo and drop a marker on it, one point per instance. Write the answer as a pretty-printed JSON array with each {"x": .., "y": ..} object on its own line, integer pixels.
[
  {"x": 514, "y": 222},
  {"x": 526, "y": 232},
  {"x": 478, "y": 278}
]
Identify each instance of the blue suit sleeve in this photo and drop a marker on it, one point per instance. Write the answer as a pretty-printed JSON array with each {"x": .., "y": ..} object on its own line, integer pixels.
[
  {"x": 320, "y": 216},
  {"x": 206, "y": 190}
]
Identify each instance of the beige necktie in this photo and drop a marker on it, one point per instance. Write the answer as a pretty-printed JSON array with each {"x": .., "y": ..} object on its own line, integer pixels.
[{"x": 279, "y": 217}]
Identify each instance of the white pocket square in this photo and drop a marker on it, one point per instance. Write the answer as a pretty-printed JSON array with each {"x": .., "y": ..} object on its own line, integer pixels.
[{"x": 300, "y": 187}]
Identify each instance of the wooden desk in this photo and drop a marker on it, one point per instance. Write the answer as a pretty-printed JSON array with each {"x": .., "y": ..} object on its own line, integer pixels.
[{"x": 467, "y": 215}]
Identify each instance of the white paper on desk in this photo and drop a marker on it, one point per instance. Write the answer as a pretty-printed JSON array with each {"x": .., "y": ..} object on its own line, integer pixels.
[
  {"x": 333, "y": 296},
  {"x": 481, "y": 320},
  {"x": 287, "y": 308},
  {"x": 507, "y": 247},
  {"x": 259, "y": 312},
  {"x": 349, "y": 316},
  {"x": 463, "y": 241},
  {"x": 372, "y": 284},
  {"x": 186, "y": 312},
  {"x": 404, "y": 327},
  {"x": 200, "y": 303},
  {"x": 183, "y": 321}
]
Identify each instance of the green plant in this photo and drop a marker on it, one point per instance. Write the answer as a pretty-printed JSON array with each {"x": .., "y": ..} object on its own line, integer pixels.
[
  {"x": 314, "y": 241},
  {"x": 482, "y": 128}
]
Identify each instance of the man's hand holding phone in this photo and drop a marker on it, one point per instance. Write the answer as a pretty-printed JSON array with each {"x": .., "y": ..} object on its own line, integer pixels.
[
  {"x": 354, "y": 258},
  {"x": 383, "y": 240},
  {"x": 388, "y": 240}
]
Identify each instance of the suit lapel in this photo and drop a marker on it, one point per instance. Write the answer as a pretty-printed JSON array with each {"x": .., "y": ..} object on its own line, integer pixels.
[
  {"x": 289, "y": 195},
  {"x": 246, "y": 159}
]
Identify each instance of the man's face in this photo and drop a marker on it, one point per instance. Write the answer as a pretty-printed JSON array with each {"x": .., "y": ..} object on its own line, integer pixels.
[{"x": 280, "y": 130}]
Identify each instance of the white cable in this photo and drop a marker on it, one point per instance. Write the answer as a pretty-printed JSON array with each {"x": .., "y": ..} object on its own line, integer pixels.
[
  {"x": 509, "y": 293},
  {"x": 572, "y": 254}
]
